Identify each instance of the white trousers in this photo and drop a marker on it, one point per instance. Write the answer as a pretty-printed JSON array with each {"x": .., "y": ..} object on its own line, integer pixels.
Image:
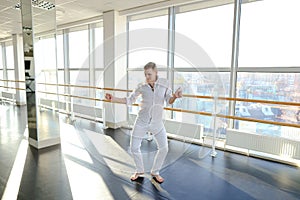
[{"x": 135, "y": 146}]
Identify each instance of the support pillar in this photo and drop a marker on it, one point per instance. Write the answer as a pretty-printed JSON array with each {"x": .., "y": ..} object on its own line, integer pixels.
[
  {"x": 115, "y": 66},
  {"x": 40, "y": 135}
]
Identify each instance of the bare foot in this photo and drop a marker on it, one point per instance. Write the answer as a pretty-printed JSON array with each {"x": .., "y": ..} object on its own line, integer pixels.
[
  {"x": 135, "y": 176},
  {"x": 158, "y": 178}
]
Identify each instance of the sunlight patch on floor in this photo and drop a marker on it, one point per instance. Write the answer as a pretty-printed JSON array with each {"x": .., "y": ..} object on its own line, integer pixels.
[
  {"x": 13, "y": 184},
  {"x": 71, "y": 144},
  {"x": 86, "y": 183},
  {"x": 112, "y": 154}
]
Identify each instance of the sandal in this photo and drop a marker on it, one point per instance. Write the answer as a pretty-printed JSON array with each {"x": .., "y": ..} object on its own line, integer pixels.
[
  {"x": 157, "y": 178},
  {"x": 135, "y": 176}
]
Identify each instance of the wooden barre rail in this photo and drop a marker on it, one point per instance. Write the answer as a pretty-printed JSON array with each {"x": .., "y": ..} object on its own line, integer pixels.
[
  {"x": 14, "y": 88},
  {"x": 193, "y": 112},
  {"x": 246, "y": 100},
  {"x": 189, "y": 95},
  {"x": 83, "y": 86},
  {"x": 179, "y": 110},
  {"x": 184, "y": 95},
  {"x": 17, "y": 81},
  {"x": 236, "y": 118}
]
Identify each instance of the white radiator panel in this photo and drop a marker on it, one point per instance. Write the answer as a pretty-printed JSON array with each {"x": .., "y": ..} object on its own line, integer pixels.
[
  {"x": 87, "y": 110},
  {"x": 45, "y": 102},
  {"x": 193, "y": 131},
  {"x": 267, "y": 144},
  {"x": 8, "y": 95},
  {"x": 77, "y": 109}
]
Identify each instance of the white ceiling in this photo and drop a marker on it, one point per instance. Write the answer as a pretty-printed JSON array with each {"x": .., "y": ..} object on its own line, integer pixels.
[{"x": 68, "y": 11}]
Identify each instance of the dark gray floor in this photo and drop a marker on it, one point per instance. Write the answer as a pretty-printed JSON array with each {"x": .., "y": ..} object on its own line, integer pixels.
[{"x": 94, "y": 164}]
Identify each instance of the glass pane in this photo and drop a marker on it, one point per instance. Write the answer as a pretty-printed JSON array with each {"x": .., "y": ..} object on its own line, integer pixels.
[
  {"x": 209, "y": 28},
  {"x": 80, "y": 78},
  {"x": 47, "y": 76},
  {"x": 79, "y": 49},
  {"x": 99, "y": 93},
  {"x": 10, "y": 63},
  {"x": 11, "y": 76},
  {"x": 99, "y": 62},
  {"x": 61, "y": 89},
  {"x": 196, "y": 83},
  {"x": 141, "y": 54},
  {"x": 45, "y": 57},
  {"x": 160, "y": 22},
  {"x": 1, "y": 60},
  {"x": 60, "y": 51},
  {"x": 137, "y": 77},
  {"x": 140, "y": 58},
  {"x": 270, "y": 39},
  {"x": 268, "y": 86},
  {"x": 1, "y": 78}
]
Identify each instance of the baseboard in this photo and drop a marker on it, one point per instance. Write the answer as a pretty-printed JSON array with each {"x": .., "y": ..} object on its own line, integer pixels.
[
  {"x": 20, "y": 103},
  {"x": 116, "y": 125},
  {"x": 44, "y": 143}
]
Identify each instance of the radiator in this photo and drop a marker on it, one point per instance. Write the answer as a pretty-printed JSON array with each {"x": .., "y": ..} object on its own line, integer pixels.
[
  {"x": 47, "y": 102},
  {"x": 192, "y": 131},
  {"x": 77, "y": 109},
  {"x": 87, "y": 110},
  {"x": 8, "y": 95},
  {"x": 266, "y": 144}
]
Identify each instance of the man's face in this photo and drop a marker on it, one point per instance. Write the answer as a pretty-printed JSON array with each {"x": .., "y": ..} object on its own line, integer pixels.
[{"x": 150, "y": 75}]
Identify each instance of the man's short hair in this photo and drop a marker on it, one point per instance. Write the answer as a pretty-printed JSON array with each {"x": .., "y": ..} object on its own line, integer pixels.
[{"x": 151, "y": 65}]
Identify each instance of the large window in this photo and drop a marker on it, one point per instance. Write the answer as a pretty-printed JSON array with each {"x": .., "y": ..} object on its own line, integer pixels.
[
  {"x": 269, "y": 42},
  {"x": 1, "y": 60},
  {"x": 265, "y": 41},
  {"x": 99, "y": 64},
  {"x": 196, "y": 83},
  {"x": 79, "y": 47},
  {"x": 269, "y": 34},
  {"x": 60, "y": 51},
  {"x": 60, "y": 64},
  {"x": 45, "y": 53},
  {"x": 79, "y": 62},
  {"x": 81, "y": 69},
  {"x": 1, "y": 67},
  {"x": 11, "y": 83},
  {"x": 140, "y": 55},
  {"x": 10, "y": 63},
  {"x": 10, "y": 66},
  {"x": 99, "y": 83},
  {"x": 204, "y": 30},
  {"x": 210, "y": 29},
  {"x": 268, "y": 86},
  {"x": 45, "y": 66},
  {"x": 155, "y": 29}
]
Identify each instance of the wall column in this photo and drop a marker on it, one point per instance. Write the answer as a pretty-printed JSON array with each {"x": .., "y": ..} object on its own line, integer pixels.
[{"x": 115, "y": 66}]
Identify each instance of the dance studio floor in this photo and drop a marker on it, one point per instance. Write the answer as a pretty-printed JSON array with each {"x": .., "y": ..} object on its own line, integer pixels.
[{"x": 94, "y": 163}]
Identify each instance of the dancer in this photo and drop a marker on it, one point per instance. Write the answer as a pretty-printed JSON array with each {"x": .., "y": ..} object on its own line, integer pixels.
[{"x": 154, "y": 92}]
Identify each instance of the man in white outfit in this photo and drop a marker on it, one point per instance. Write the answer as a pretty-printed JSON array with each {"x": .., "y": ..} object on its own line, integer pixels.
[{"x": 155, "y": 91}]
